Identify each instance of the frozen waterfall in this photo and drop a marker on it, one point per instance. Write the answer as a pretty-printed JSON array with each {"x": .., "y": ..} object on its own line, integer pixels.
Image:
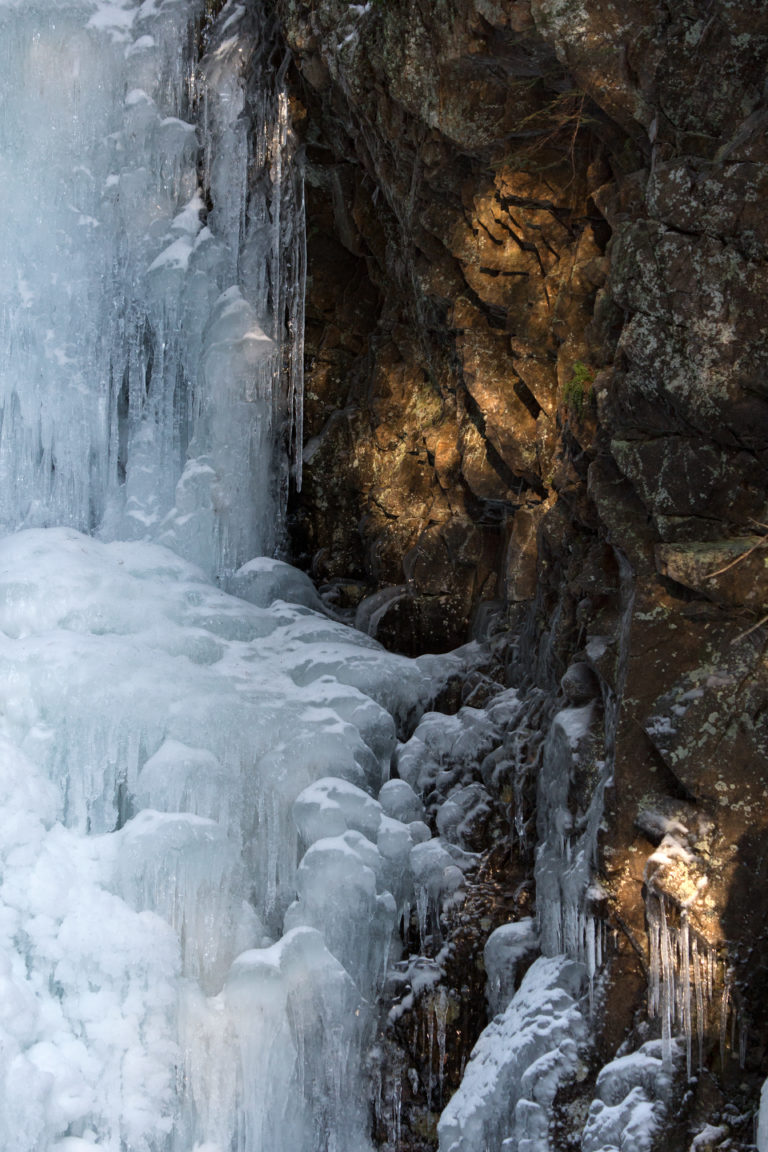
[
  {"x": 171, "y": 979},
  {"x": 144, "y": 293}
]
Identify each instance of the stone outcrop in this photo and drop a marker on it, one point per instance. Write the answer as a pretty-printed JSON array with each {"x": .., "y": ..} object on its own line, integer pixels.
[
  {"x": 451, "y": 289},
  {"x": 537, "y": 407}
]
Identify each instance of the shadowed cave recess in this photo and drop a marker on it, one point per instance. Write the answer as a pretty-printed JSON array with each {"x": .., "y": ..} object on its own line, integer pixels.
[{"x": 384, "y": 576}]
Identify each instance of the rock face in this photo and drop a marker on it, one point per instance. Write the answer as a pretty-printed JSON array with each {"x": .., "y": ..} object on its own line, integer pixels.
[
  {"x": 451, "y": 288},
  {"x": 537, "y": 397}
]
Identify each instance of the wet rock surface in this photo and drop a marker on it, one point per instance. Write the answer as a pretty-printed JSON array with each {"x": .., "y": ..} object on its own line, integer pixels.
[{"x": 536, "y": 373}]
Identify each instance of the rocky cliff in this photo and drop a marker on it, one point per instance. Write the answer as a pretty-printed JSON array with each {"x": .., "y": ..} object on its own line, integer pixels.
[{"x": 537, "y": 413}]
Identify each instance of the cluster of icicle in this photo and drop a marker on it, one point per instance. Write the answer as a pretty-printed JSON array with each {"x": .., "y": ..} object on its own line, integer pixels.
[
  {"x": 539, "y": 1039},
  {"x": 681, "y": 977},
  {"x": 567, "y": 852},
  {"x": 685, "y": 973},
  {"x": 254, "y": 173},
  {"x": 152, "y": 267}
]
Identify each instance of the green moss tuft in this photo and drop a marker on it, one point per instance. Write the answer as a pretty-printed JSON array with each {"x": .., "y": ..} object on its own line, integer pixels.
[{"x": 577, "y": 393}]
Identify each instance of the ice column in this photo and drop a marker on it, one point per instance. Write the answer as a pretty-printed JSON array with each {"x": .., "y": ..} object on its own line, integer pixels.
[
  {"x": 151, "y": 276},
  {"x": 567, "y": 851}
]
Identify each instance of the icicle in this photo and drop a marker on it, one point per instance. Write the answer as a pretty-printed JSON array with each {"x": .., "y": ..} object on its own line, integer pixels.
[
  {"x": 685, "y": 988},
  {"x": 667, "y": 985},
  {"x": 592, "y": 954},
  {"x": 681, "y": 975},
  {"x": 431, "y": 1020},
  {"x": 397, "y": 1106},
  {"x": 654, "y": 943},
  {"x": 725, "y": 1007},
  {"x": 698, "y": 996},
  {"x": 296, "y": 328},
  {"x": 441, "y": 1018},
  {"x": 422, "y": 911}
]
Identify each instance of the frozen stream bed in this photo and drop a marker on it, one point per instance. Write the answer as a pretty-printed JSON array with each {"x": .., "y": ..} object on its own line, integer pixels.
[{"x": 162, "y": 741}]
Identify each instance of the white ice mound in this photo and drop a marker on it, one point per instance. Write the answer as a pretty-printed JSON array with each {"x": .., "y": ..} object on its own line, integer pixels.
[
  {"x": 274, "y": 1059},
  {"x": 297, "y": 1016},
  {"x": 183, "y": 779},
  {"x": 518, "y": 1064},
  {"x": 459, "y": 812},
  {"x": 632, "y": 1096},
  {"x": 88, "y": 993},
  {"x": 330, "y": 807},
  {"x": 399, "y": 800},
  {"x": 156, "y": 734},
  {"x": 506, "y": 946},
  {"x": 341, "y": 894},
  {"x": 263, "y": 580},
  {"x": 437, "y": 874}
]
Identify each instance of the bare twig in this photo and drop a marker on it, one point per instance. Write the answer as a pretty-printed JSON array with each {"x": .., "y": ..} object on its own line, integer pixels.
[
  {"x": 621, "y": 923},
  {"x": 761, "y": 543},
  {"x": 749, "y": 631}
]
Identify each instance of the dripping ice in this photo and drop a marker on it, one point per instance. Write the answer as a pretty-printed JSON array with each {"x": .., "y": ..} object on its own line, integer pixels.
[
  {"x": 539, "y": 1041},
  {"x": 140, "y": 311},
  {"x": 180, "y": 723}
]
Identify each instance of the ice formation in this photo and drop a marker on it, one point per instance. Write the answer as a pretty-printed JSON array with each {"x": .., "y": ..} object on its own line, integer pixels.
[
  {"x": 140, "y": 318},
  {"x": 631, "y": 1100},
  {"x": 199, "y": 887},
  {"x": 566, "y": 853},
  {"x": 518, "y": 1064},
  {"x": 761, "y": 1138},
  {"x": 506, "y": 946},
  {"x": 682, "y": 972},
  {"x": 158, "y": 737}
]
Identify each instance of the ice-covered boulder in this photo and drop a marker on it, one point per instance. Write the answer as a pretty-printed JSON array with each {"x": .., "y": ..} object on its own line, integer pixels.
[
  {"x": 263, "y": 580},
  {"x": 461, "y": 812},
  {"x": 506, "y": 946},
  {"x": 330, "y": 807},
  {"x": 399, "y": 800},
  {"x": 631, "y": 1098},
  {"x": 445, "y": 746},
  {"x": 518, "y": 1064},
  {"x": 436, "y": 875}
]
